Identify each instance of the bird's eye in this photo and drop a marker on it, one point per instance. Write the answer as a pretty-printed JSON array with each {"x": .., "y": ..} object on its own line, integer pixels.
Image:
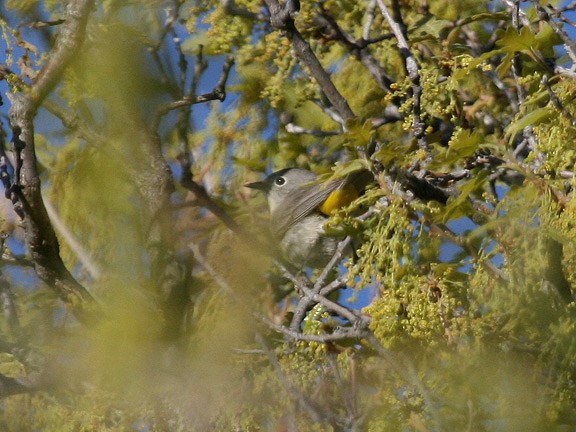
[{"x": 279, "y": 181}]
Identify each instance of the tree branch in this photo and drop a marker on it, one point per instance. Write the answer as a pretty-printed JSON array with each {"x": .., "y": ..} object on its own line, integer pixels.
[
  {"x": 282, "y": 18},
  {"x": 8, "y": 307},
  {"x": 40, "y": 238},
  {"x": 413, "y": 71},
  {"x": 70, "y": 39},
  {"x": 358, "y": 48},
  {"x": 11, "y": 386},
  {"x": 218, "y": 93}
]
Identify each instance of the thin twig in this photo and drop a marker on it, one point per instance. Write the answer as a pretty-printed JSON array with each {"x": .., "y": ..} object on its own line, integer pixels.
[
  {"x": 370, "y": 16},
  {"x": 544, "y": 15},
  {"x": 557, "y": 102},
  {"x": 359, "y": 48},
  {"x": 351, "y": 315},
  {"x": 8, "y": 308},
  {"x": 81, "y": 253},
  {"x": 347, "y": 333},
  {"x": 217, "y": 93},
  {"x": 413, "y": 72},
  {"x": 282, "y": 18}
]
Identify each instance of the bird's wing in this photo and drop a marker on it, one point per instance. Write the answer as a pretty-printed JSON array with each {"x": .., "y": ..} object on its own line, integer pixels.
[{"x": 304, "y": 201}]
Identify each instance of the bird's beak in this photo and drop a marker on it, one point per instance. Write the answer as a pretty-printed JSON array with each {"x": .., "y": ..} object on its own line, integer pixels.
[{"x": 260, "y": 185}]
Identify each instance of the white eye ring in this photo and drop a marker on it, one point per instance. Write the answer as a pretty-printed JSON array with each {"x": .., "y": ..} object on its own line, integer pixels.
[{"x": 279, "y": 181}]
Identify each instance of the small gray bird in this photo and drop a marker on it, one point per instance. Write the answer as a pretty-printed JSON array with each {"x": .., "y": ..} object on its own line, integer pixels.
[{"x": 299, "y": 208}]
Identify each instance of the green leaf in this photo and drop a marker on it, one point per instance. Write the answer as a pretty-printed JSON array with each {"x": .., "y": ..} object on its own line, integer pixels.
[
  {"x": 456, "y": 209},
  {"x": 389, "y": 152},
  {"x": 557, "y": 235},
  {"x": 460, "y": 206},
  {"x": 191, "y": 45},
  {"x": 341, "y": 230},
  {"x": 359, "y": 134},
  {"x": 464, "y": 143},
  {"x": 433, "y": 27},
  {"x": 343, "y": 169},
  {"x": 545, "y": 40},
  {"x": 527, "y": 42},
  {"x": 505, "y": 65},
  {"x": 513, "y": 41},
  {"x": 535, "y": 117},
  {"x": 253, "y": 164},
  {"x": 467, "y": 142}
]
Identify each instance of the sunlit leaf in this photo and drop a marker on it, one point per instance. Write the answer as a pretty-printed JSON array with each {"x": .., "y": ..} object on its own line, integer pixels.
[
  {"x": 461, "y": 206},
  {"x": 533, "y": 118},
  {"x": 465, "y": 143}
]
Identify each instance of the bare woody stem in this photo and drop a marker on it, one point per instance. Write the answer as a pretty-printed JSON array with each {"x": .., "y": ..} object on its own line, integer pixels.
[
  {"x": 282, "y": 18},
  {"x": 40, "y": 238},
  {"x": 413, "y": 71},
  {"x": 217, "y": 93}
]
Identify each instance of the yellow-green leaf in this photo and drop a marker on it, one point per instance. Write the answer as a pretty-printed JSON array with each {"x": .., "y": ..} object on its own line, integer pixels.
[{"x": 533, "y": 118}]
